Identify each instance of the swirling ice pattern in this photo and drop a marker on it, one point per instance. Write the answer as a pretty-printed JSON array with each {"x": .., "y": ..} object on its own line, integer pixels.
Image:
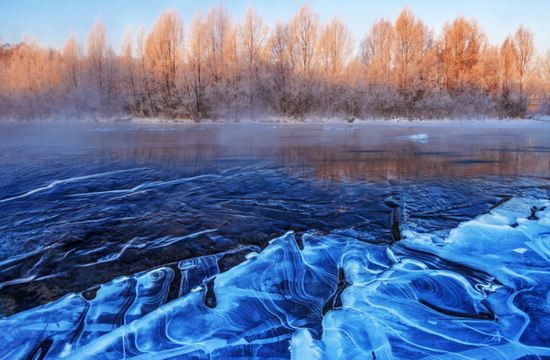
[
  {"x": 63, "y": 326},
  {"x": 468, "y": 296}
]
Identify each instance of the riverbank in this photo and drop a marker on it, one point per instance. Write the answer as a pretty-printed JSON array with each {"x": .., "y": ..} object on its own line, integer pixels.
[{"x": 542, "y": 122}]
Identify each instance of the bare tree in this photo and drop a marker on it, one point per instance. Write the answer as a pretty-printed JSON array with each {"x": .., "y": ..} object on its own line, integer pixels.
[
  {"x": 304, "y": 25},
  {"x": 72, "y": 57},
  {"x": 335, "y": 46},
  {"x": 463, "y": 43},
  {"x": 410, "y": 39},
  {"x": 25, "y": 78},
  {"x": 525, "y": 55},
  {"x": 218, "y": 23},
  {"x": 235, "y": 94},
  {"x": 197, "y": 50},
  {"x": 164, "y": 46},
  {"x": 97, "y": 47},
  {"x": 491, "y": 73},
  {"x": 279, "y": 50},
  {"x": 507, "y": 57},
  {"x": 128, "y": 68},
  {"x": 71, "y": 68},
  {"x": 253, "y": 35},
  {"x": 144, "y": 73},
  {"x": 376, "y": 51}
]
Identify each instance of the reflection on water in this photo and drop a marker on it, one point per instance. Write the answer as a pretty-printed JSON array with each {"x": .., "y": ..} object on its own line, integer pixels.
[
  {"x": 362, "y": 154},
  {"x": 331, "y": 153},
  {"x": 82, "y": 204}
]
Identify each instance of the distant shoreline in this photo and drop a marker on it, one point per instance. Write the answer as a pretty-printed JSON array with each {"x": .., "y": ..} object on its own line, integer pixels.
[{"x": 540, "y": 123}]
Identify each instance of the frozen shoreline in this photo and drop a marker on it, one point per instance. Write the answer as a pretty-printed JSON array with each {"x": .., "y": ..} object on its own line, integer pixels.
[
  {"x": 482, "y": 124},
  {"x": 542, "y": 123}
]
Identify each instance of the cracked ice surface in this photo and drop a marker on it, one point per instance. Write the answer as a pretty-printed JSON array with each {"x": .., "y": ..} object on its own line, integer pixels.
[{"x": 468, "y": 295}]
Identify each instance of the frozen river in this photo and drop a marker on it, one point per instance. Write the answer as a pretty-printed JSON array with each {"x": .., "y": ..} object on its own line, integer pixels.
[{"x": 273, "y": 241}]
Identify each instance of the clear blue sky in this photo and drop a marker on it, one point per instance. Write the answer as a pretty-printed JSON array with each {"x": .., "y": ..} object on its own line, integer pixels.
[{"x": 52, "y": 20}]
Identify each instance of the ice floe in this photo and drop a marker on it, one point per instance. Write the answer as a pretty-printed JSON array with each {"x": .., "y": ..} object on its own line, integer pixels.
[{"x": 417, "y": 137}]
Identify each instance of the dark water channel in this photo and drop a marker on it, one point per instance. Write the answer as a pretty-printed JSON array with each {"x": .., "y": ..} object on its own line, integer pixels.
[{"x": 83, "y": 204}]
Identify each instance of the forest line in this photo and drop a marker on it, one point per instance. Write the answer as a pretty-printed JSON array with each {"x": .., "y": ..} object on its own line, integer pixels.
[{"x": 222, "y": 68}]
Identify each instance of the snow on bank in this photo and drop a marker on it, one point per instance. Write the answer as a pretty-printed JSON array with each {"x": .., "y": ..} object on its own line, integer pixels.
[
  {"x": 481, "y": 124},
  {"x": 542, "y": 122},
  {"x": 491, "y": 123}
]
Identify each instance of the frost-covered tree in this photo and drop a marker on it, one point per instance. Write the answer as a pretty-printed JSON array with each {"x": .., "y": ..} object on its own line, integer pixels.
[
  {"x": 128, "y": 71},
  {"x": 164, "y": 48},
  {"x": 490, "y": 73},
  {"x": 218, "y": 24},
  {"x": 253, "y": 40},
  {"x": 197, "y": 51},
  {"x": 280, "y": 51},
  {"x": 376, "y": 51},
  {"x": 335, "y": 46},
  {"x": 409, "y": 44},
  {"x": 507, "y": 57},
  {"x": 525, "y": 55},
  {"x": 72, "y": 58},
  {"x": 143, "y": 77},
  {"x": 234, "y": 85},
  {"x": 97, "y": 51},
  {"x": 72, "y": 73},
  {"x": 462, "y": 44},
  {"x": 304, "y": 29}
]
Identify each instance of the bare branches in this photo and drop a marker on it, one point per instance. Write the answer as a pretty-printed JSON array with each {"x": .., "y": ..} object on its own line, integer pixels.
[
  {"x": 525, "y": 55},
  {"x": 304, "y": 29},
  {"x": 164, "y": 49},
  {"x": 97, "y": 48},
  {"x": 335, "y": 46},
  {"x": 376, "y": 51}
]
